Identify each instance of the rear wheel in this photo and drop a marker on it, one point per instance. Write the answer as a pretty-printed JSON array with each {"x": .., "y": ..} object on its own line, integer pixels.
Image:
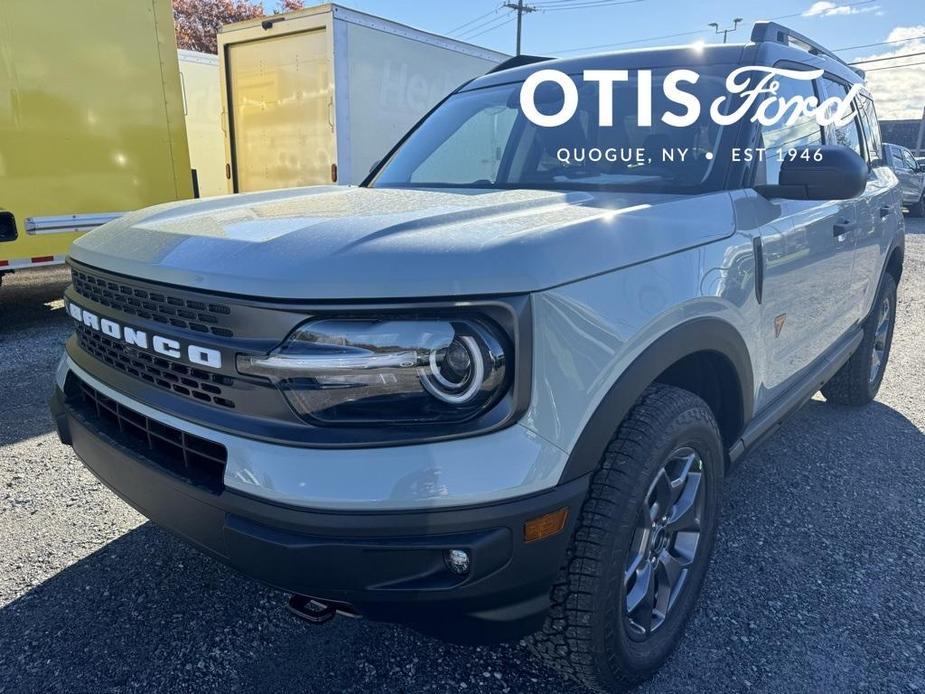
[
  {"x": 640, "y": 551},
  {"x": 858, "y": 381},
  {"x": 917, "y": 209}
]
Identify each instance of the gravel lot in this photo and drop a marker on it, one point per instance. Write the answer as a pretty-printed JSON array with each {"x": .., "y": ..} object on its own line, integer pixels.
[{"x": 817, "y": 583}]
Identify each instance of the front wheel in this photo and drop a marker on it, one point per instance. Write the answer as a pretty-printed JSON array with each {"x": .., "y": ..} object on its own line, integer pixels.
[{"x": 641, "y": 548}]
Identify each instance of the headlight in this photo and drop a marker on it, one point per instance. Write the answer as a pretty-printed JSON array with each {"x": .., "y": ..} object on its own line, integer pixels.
[{"x": 384, "y": 371}]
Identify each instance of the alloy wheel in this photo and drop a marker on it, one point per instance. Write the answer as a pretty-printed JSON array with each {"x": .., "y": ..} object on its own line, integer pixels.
[
  {"x": 880, "y": 339},
  {"x": 665, "y": 542}
]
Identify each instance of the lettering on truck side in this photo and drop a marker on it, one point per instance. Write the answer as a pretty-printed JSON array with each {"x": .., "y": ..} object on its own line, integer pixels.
[{"x": 201, "y": 356}]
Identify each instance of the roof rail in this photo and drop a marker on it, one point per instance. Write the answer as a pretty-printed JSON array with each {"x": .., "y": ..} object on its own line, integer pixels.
[
  {"x": 777, "y": 33},
  {"x": 517, "y": 61}
]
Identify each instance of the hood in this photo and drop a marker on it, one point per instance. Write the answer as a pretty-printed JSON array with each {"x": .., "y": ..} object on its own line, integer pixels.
[{"x": 337, "y": 242}]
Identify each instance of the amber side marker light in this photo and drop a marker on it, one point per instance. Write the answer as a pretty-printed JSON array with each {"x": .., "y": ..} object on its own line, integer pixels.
[{"x": 544, "y": 526}]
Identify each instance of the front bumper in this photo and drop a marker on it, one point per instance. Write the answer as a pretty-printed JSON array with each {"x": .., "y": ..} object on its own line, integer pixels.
[{"x": 387, "y": 566}]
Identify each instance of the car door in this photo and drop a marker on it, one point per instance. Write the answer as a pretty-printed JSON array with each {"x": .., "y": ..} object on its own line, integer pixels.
[
  {"x": 878, "y": 211},
  {"x": 915, "y": 178},
  {"x": 807, "y": 248},
  {"x": 902, "y": 171}
]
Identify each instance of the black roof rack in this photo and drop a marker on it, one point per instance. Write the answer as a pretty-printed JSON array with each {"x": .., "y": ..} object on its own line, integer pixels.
[
  {"x": 778, "y": 33},
  {"x": 517, "y": 61}
]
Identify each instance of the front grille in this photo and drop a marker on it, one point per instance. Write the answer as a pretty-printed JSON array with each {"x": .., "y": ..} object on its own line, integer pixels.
[
  {"x": 194, "y": 459},
  {"x": 161, "y": 306},
  {"x": 165, "y": 373}
]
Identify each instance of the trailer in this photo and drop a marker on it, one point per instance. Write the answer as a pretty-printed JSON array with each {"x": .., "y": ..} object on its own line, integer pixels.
[
  {"x": 319, "y": 95},
  {"x": 91, "y": 121},
  {"x": 202, "y": 107}
]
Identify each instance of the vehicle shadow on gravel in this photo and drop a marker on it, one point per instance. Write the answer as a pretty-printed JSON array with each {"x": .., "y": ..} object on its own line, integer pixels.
[
  {"x": 32, "y": 300},
  {"x": 147, "y": 613}
]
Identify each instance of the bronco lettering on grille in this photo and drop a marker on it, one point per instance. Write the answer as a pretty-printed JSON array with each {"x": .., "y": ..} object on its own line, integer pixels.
[{"x": 201, "y": 356}]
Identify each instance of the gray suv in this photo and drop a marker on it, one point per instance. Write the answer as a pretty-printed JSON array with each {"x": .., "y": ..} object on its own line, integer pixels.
[
  {"x": 490, "y": 393},
  {"x": 911, "y": 175}
]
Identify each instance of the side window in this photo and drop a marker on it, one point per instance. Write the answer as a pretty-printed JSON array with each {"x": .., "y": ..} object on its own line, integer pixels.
[
  {"x": 896, "y": 156},
  {"x": 848, "y": 135},
  {"x": 865, "y": 106},
  {"x": 781, "y": 136}
]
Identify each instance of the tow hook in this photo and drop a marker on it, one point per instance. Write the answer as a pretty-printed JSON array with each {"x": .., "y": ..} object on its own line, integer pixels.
[{"x": 311, "y": 610}]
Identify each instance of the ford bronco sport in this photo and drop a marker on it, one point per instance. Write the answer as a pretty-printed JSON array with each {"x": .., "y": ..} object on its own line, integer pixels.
[{"x": 491, "y": 393}]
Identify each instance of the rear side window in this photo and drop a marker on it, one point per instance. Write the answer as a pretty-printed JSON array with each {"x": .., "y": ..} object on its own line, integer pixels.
[
  {"x": 871, "y": 126},
  {"x": 897, "y": 156},
  {"x": 848, "y": 135},
  {"x": 781, "y": 136}
]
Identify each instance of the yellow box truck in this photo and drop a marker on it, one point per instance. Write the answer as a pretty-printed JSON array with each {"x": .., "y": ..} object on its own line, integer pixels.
[
  {"x": 318, "y": 95},
  {"x": 91, "y": 120}
]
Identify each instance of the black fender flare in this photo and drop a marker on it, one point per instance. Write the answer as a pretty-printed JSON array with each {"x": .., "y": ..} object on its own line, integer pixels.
[{"x": 704, "y": 334}]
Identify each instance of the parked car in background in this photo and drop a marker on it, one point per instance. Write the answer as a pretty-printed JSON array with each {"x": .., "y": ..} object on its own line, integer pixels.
[
  {"x": 489, "y": 393},
  {"x": 91, "y": 121},
  {"x": 319, "y": 95},
  {"x": 911, "y": 175}
]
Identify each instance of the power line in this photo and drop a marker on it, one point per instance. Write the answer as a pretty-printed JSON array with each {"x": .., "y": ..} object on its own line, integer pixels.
[
  {"x": 473, "y": 29},
  {"x": 688, "y": 33},
  {"x": 506, "y": 21},
  {"x": 881, "y": 43},
  {"x": 472, "y": 21},
  {"x": 583, "y": 4},
  {"x": 894, "y": 67},
  {"x": 894, "y": 57},
  {"x": 569, "y": 4}
]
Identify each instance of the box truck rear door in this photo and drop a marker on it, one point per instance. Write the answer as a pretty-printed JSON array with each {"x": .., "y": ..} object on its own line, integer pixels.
[{"x": 281, "y": 111}]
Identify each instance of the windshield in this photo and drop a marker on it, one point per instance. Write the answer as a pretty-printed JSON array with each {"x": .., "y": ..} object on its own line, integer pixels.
[{"x": 481, "y": 139}]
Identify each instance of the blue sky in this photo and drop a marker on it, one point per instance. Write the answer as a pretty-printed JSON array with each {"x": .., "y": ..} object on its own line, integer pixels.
[{"x": 560, "y": 29}]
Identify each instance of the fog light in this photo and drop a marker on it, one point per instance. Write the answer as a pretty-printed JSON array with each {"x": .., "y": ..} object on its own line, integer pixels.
[{"x": 457, "y": 561}]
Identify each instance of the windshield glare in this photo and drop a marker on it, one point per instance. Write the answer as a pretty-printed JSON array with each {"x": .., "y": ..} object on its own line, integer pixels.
[{"x": 481, "y": 139}]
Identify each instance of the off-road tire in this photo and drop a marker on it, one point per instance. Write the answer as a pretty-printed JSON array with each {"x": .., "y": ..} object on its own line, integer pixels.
[
  {"x": 586, "y": 637},
  {"x": 852, "y": 384}
]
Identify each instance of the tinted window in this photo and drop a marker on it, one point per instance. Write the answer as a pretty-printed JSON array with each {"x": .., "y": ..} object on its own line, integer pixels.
[
  {"x": 847, "y": 135},
  {"x": 871, "y": 127},
  {"x": 782, "y": 137}
]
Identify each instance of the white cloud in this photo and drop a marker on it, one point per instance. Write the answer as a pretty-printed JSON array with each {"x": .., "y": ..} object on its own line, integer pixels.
[
  {"x": 898, "y": 92},
  {"x": 824, "y": 8}
]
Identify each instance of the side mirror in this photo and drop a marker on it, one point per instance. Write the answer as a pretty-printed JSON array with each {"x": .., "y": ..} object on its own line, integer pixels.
[{"x": 819, "y": 172}]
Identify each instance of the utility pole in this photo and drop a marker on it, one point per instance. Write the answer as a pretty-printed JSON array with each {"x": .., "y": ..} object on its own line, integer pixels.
[
  {"x": 521, "y": 10},
  {"x": 918, "y": 141},
  {"x": 725, "y": 32}
]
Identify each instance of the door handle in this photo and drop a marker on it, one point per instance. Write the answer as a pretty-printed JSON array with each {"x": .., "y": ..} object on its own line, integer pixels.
[
  {"x": 885, "y": 211},
  {"x": 843, "y": 228}
]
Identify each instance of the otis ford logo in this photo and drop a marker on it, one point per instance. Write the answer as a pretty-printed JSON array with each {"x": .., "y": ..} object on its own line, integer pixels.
[{"x": 132, "y": 337}]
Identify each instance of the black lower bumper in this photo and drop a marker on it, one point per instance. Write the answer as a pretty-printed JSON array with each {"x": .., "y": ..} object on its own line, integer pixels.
[{"x": 385, "y": 566}]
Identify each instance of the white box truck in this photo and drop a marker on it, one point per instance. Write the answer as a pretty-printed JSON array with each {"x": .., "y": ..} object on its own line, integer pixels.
[
  {"x": 319, "y": 95},
  {"x": 202, "y": 107}
]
